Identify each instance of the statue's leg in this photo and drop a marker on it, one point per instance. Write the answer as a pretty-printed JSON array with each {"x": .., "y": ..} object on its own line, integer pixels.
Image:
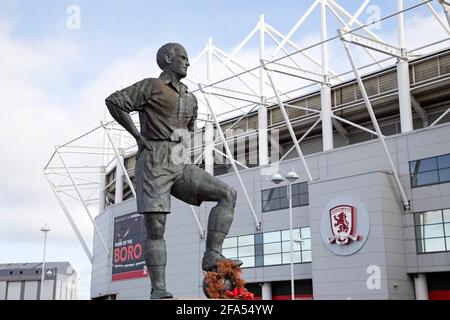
[
  {"x": 156, "y": 254},
  {"x": 198, "y": 186}
]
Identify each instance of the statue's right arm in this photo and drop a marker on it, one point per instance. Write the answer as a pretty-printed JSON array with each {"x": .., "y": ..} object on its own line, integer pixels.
[
  {"x": 122, "y": 102},
  {"x": 123, "y": 118}
]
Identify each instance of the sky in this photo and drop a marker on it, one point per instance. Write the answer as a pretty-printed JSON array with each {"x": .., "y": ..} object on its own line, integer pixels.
[{"x": 57, "y": 67}]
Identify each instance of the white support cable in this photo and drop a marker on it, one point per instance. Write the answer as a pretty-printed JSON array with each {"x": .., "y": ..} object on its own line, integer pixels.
[
  {"x": 197, "y": 221},
  {"x": 340, "y": 128},
  {"x": 437, "y": 17},
  {"x": 125, "y": 171},
  {"x": 446, "y": 7},
  {"x": 226, "y": 156},
  {"x": 233, "y": 164},
  {"x": 356, "y": 15},
  {"x": 217, "y": 138},
  {"x": 97, "y": 230},
  {"x": 232, "y": 71},
  {"x": 354, "y": 125},
  {"x": 301, "y": 73},
  {"x": 271, "y": 36},
  {"x": 357, "y": 22},
  {"x": 71, "y": 221},
  {"x": 288, "y": 123},
  {"x": 301, "y": 138},
  {"x": 296, "y": 26},
  {"x": 302, "y": 108},
  {"x": 346, "y": 27},
  {"x": 440, "y": 118},
  {"x": 300, "y": 51},
  {"x": 406, "y": 203},
  {"x": 373, "y": 44},
  {"x": 218, "y": 51},
  {"x": 217, "y": 94},
  {"x": 242, "y": 44}
]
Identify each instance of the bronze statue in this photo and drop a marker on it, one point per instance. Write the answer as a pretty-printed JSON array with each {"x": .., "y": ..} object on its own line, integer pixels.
[{"x": 165, "y": 106}]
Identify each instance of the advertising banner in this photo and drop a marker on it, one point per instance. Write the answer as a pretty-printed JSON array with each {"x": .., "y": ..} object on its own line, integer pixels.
[{"x": 128, "y": 247}]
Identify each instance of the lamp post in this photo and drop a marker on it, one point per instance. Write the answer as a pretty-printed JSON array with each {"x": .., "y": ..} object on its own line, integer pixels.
[
  {"x": 290, "y": 177},
  {"x": 44, "y": 229}
]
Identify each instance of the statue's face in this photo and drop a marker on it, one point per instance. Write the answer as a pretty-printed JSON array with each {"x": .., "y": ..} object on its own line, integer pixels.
[{"x": 179, "y": 62}]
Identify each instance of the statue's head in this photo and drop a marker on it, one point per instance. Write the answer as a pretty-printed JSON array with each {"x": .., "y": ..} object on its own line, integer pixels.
[{"x": 173, "y": 56}]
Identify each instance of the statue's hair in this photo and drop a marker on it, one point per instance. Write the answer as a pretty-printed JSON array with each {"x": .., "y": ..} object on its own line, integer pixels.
[{"x": 168, "y": 48}]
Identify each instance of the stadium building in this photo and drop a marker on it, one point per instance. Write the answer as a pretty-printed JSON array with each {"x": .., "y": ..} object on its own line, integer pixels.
[
  {"x": 23, "y": 281},
  {"x": 371, "y": 148}
]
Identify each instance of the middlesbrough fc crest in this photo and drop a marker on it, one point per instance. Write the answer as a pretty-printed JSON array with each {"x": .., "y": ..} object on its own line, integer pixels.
[{"x": 342, "y": 220}]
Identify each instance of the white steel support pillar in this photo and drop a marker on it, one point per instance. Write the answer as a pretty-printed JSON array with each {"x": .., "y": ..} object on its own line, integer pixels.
[
  {"x": 263, "y": 145},
  {"x": 421, "y": 286},
  {"x": 325, "y": 91},
  {"x": 209, "y": 128},
  {"x": 404, "y": 92},
  {"x": 118, "y": 196},
  {"x": 102, "y": 184},
  {"x": 101, "y": 191},
  {"x": 266, "y": 291},
  {"x": 446, "y": 7}
]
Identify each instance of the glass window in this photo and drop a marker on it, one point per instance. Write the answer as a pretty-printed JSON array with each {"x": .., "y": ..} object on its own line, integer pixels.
[
  {"x": 248, "y": 262},
  {"x": 306, "y": 233},
  {"x": 295, "y": 255},
  {"x": 276, "y": 198},
  {"x": 283, "y": 192},
  {"x": 230, "y": 242},
  {"x": 306, "y": 256},
  {"x": 430, "y": 171},
  {"x": 295, "y": 200},
  {"x": 431, "y": 245},
  {"x": 429, "y": 217},
  {"x": 430, "y": 177},
  {"x": 285, "y": 234},
  {"x": 259, "y": 261},
  {"x": 306, "y": 244},
  {"x": 444, "y": 161},
  {"x": 430, "y": 231},
  {"x": 304, "y": 199},
  {"x": 446, "y": 215},
  {"x": 230, "y": 253},
  {"x": 258, "y": 238},
  {"x": 447, "y": 230},
  {"x": 272, "y": 259},
  {"x": 286, "y": 246},
  {"x": 246, "y": 251},
  {"x": 444, "y": 175},
  {"x": 272, "y": 237},
  {"x": 423, "y": 165},
  {"x": 272, "y": 247},
  {"x": 246, "y": 240}
]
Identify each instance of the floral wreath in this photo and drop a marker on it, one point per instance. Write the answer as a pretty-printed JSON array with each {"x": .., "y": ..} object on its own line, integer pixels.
[{"x": 226, "y": 283}]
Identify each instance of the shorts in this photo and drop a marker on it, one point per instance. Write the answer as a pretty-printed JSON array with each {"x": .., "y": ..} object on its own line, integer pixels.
[{"x": 158, "y": 177}]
